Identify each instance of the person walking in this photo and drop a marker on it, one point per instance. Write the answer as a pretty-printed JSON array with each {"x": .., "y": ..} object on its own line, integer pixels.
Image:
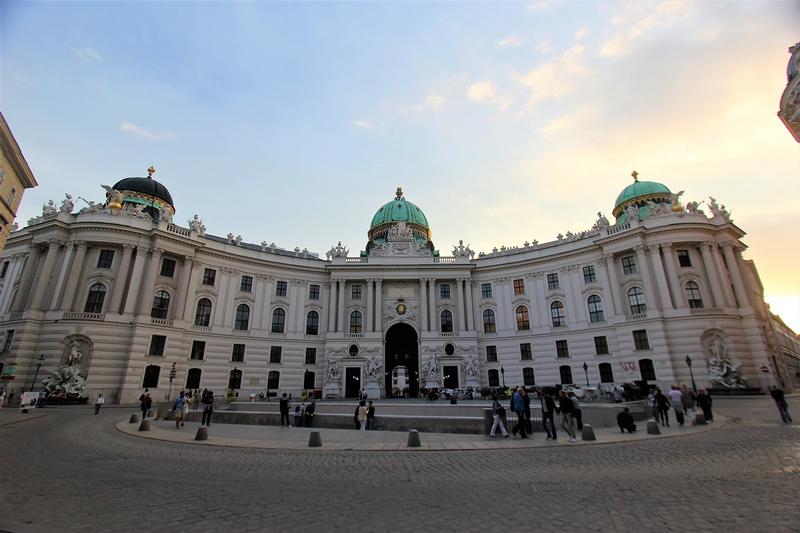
[
  {"x": 663, "y": 408},
  {"x": 565, "y": 407},
  {"x": 298, "y": 414},
  {"x": 180, "y": 403},
  {"x": 497, "y": 416},
  {"x": 370, "y": 415},
  {"x": 704, "y": 402},
  {"x": 780, "y": 400},
  {"x": 577, "y": 414},
  {"x": 284, "y": 409},
  {"x": 689, "y": 400},
  {"x": 526, "y": 401},
  {"x": 676, "y": 400},
  {"x": 208, "y": 407},
  {"x": 198, "y": 397},
  {"x": 98, "y": 403},
  {"x": 361, "y": 415},
  {"x": 548, "y": 413},
  {"x": 145, "y": 403},
  {"x": 186, "y": 406},
  {"x": 519, "y": 409}
]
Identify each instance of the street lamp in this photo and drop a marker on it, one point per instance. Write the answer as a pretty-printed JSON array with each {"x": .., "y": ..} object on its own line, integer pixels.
[
  {"x": 36, "y": 375},
  {"x": 586, "y": 371},
  {"x": 689, "y": 364},
  {"x": 503, "y": 374}
]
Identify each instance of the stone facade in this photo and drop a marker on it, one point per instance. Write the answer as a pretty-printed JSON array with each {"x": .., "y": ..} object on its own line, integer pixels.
[{"x": 15, "y": 177}]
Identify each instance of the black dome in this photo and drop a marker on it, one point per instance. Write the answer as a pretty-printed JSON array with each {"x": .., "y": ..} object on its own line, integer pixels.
[{"x": 147, "y": 186}]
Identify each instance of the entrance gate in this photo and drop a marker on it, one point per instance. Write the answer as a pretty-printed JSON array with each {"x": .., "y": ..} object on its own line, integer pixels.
[
  {"x": 352, "y": 382},
  {"x": 402, "y": 354}
]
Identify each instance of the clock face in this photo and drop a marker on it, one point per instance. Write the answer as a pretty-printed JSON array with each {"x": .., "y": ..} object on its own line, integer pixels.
[{"x": 401, "y": 309}]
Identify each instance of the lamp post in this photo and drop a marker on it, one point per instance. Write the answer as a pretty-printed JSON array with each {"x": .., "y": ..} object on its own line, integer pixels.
[
  {"x": 586, "y": 371},
  {"x": 36, "y": 375},
  {"x": 503, "y": 374},
  {"x": 689, "y": 364}
]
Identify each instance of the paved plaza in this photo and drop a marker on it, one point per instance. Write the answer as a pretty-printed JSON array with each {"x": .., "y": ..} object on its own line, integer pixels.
[{"x": 69, "y": 470}]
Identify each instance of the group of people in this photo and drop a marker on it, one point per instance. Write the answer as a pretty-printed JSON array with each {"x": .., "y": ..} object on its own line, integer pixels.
[
  {"x": 364, "y": 417},
  {"x": 303, "y": 414},
  {"x": 183, "y": 403},
  {"x": 564, "y": 404},
  {"x": 684, "y": 401}
]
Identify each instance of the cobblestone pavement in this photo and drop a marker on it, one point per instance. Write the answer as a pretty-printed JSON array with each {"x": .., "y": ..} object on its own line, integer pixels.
[{"x": 73, "y": 471}]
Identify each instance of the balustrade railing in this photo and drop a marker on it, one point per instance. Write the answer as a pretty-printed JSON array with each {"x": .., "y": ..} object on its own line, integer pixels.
[{"x": 99, "y": 317}]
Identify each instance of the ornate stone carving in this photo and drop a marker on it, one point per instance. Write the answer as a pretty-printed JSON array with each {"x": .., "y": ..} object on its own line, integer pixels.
[
  {"x": 462, "y": 251},
  {"x": 333, "y": 373},
  {"x": 471, "y": 368},
  {"x": 67, "y": 205},
  {"x": 113, "y": 197},
  {"x": 373, "y": 371},
  {"x": 430, "y": 369},
  {"x": 722, "y": 370},
  {"x": 633, "y": 213},
  {"x": 400, "y": 242},
  {"x": 196, "y": 224},
  {"x": 49, "y": 209},
  {"x": 693, "y": 208},
  {"x": 718, "y": 210},
  {"x": 601, "y": 222},
  {"x": 337, "y": 251}
]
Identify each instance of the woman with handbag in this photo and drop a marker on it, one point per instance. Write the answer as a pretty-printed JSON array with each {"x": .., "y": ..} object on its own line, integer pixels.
[{"x": 497, "y": 413}]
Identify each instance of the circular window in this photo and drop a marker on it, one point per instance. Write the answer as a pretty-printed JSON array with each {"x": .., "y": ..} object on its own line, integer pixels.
[
  {"x": 449, "y": 349},
  {"x": 353, "y": 350}
]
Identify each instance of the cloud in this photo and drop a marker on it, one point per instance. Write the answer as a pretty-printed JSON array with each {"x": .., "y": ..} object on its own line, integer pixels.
[
  {"x": 510, "y": 41},
  {"x": 581, "y": 33},
  {"x": 557, "y": 78},
  {"x": 432, "y": 102},
  {"x": 544, "y": 46},
  {"x": 568, "y": 122},
  {"x": 645, "y": 20},
  {"x": 129, "y": 127},
  {"x": 87, "y": 54},
  {"x": 363, "y": 124},
  {"x": 541, "y": 5},
  {"x": 485, "y": 92}
]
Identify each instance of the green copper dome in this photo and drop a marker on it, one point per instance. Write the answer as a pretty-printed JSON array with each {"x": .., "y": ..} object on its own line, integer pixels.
[
  {"x": 640, "y": 188},
  {"x": 399, "y": 210}
]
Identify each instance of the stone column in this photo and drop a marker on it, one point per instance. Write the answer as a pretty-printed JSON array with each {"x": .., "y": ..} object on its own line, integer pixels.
[
  {"x": 725, "y": 279},
  {"x": 611, "y": 272},
  {"x": 370, "y": 324},
  {"x": 300, "y": 305},
  {"x": 460, "y": 304},
  {"x": 379, "y": 305},
  {"x": 69, "y": 251},
  {"x": 269, "y": 292},
  {"x": 647, "y": 279},
  {"x": 146, "y": 292},
  {"x": 432, "y": 303},
  {"x": 332, "y": 305},
  {"x": 672, "y": 277},
  {"x": 27, "y": 278},
  {"x": 120, "y": 279},
  {"x": 661, "y": 278},
  {"x": 43, "y": 282},
  {"x": 189, "y": 309},
  {"x": 340, "y": 306},
  {"x": 176, "y": 310},
  {"x": 576, "y": 296},
  {"x": 258, "y": 306},
  {"x": 135, "y": 286},
  {"x": 325, "y": 296},
  {"x": 609, "y": 305},
  {"x": 423, "y": 303},
  {"x": 17, "y": 262},
  {"x": 228, "y": 299},
  {"x": 711, "y": 273},
  {"x": 738, "y": 282},
  {"x": 74, "y": 277},
  {"x": 470, "y": 310}
]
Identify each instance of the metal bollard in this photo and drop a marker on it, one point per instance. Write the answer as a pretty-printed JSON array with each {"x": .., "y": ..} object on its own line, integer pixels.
[
  {"x": 134, "y": 419},
  {"x": 652, "y": 428},
  {"x": 144, "y": 426},
  {"x": 314, "y": 439},
  {"x": 202, "y": 433},
  {"x": 587, "y": 433},
  {"x": 413, "y": 439}
]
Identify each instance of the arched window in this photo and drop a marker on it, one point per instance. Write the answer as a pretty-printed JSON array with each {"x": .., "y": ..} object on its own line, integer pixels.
[
  {"x": 494, "y": 378},
  {"x": 193, "y": 378},
  {"x": 160, "y": 305},
  {"x": 278, "y": 320},
  {"x": 151, "y": 373},
  {"x": 235, "y": 379},
  {"x": 647, "y": 369},
  {"x": 308, "y": 380},
  {"x": 528, "y": 378},
  {"x": 312, "y": 323},
  {"x": 94, "y": 303},
  {"x": 203, "y": 315},
  {"x": 355, "y": 322},
  {"x": 522, "y": 318},
  {"x": 488, "y": 321},
  {"x": 595, "y": 308},
  {"x": 606, "y": 374},
  {"x": 242, "y": 322},
  {"x": 636, "y": 301},
  {"x": 566, "y": 374},
  {"x": 273, "y": 379},
  {"x": 558, "y": 314},
  {"x": 446, "y": 319},
  {"x": 693, "y": 295}
]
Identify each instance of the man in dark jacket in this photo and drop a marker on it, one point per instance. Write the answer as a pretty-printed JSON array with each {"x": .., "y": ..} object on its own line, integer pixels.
[
  {"x": 284, "y": 409},
  {"x": 519, "y": 408},
  {"x": 548, "y": 413},
  {"x": 526, "y": 402},
  {"x": 309, "y": 413},
  {"x": 780, "y": 401},
  {"x": 625, "y": 421}
]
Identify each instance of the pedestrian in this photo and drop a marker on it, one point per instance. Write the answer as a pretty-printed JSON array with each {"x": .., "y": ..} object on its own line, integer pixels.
[
  {"x": 98, "y": 403},
  {"x": 186, "y": 406},
  {"x": 577, "y": 414},
  {"x": 10, "y": 396},
  {"x": 2, "y": 397},
  {"x": 565, "y": 407},
  {"x": 145, "y": 402},
  {"x": 519, "y": 408},
  {"x": 652, "y": 402},
  {"x": 180, "y": 403},
  {"x": 625, "y": 421},
  {"x": 526, "y": 401},
  {"x": 208, "y": 407},
  {"x": 663, "y": 408},
  {"x": 361, "y": 415},
  {"x": 497, "y": 416},
  {"x": 780, "y": 400},
  {"x": 283, "y": 407},
  {"x": 198, "y": 398},
  {"x": 704, "y": 402},
  {"x": 548, "y": 413},
  {"x": 370, "y": 415},
  {"x": 309, "y": 413},
  {"x": 356, "y": 423},
  {"x": 298, "y": 414},
  {"x": 689, "y": 400},
  {"x": 676, "y": 400}
]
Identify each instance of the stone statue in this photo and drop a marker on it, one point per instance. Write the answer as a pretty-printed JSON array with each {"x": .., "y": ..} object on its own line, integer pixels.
[
  {"x": 693, "y": 208},
  {"x": 675, "y": 201},
  {"x": 74, "y": 356},
  {"x": 113, "y": 196},
  {"x": 337, "y": 251},
  {"x": 722, "y": 371},
  {"x": 462, "y": 251},
  {"x": 230, "y": 238},
  {"x": 49, "y": 209},
  {"x": 633, "y": 213},
  {"x": 373, "y": 369},
  {"x": 238, "y": 240},
  {"x": 430, "y": 370},
  {"x": 67, "y": 205},
  {"x": 195, "y": 224},
  {"x": 94, "y": 207},
  {"x": 602, "y": 221},
  {"x": 69, "y": 378},
  {"x": 334, "y": 372},
  {"x": 471, "y": 368},
  {"x": 164, "y": 214}
]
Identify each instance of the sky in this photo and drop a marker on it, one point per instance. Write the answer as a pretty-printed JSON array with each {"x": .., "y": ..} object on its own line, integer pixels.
[{"x": 504, "y": 122}]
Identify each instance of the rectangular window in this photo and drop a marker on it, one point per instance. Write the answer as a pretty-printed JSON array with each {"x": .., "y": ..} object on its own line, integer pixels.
[
  {"x": 198, "y": 349},
  {"x": 157, "y": 343},
  {"x": 491, "y": 354},
  {"x": 562, "y": 349},
  {"x": 311, "y": 356},
  {"x": 519, "y": 286},
  {"x": 237, "y": 356},
  {"x": 528, "y": 379},
  {"x": 683, "y": 258},
  {"x": 628, "y": 265},
  {"x": 640, "y": 341},
  {"x": 4, "y": 270},
  {"x": 525, "y": 352},
  {"x": 209, "y": 276},
  {"x": 280, "y": 288},
  {"x": 273, "y": 379},
  {"x": 355, "y": 292},
  {"x": 246, "y": 285},
  {"x": 552, "y": 281},
  {"x": 106, "y": 259},
  {"x": 444, "y": 291},
  {"x": 486, "y": 290},
  {"x": 313, "y": 292},
  {"x": 275, "y": 354},
  {"x": 601, "y": 345},
  {"x": 7, "y": 342},
  {"x": 168, "y": 267},
  {"x": 588, "y": 274}
]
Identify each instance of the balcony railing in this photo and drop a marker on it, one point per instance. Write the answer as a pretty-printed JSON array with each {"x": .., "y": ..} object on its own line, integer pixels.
[
  {"x": 354, "y": 335},
  {"x": 242, "y": 332},
  {"x": 204, "y": 329},
  {"x": 179, "y": 230},
  {"x": 161, "y": 322},
  {"x": 98, "y": 317},
  {"x": 446, "y": 333},
  {"x": 636, "y": 316}
]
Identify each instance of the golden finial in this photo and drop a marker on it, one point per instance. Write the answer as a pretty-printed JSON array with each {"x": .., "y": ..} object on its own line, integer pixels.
[
  {"x": 151, "y": 171},
  {"x": 635, "y": 175},
  {"x": 399, "y": 193}
]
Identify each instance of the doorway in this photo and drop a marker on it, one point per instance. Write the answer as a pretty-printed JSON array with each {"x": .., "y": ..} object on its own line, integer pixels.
[
  {"x": 352, "y": 382},
  {"x": 450, "y": 377},
  {"x": 402, "y": 350}
]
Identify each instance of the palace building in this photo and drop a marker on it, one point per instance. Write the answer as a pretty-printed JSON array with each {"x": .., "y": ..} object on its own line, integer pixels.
[{"x": 139, "y": 301}]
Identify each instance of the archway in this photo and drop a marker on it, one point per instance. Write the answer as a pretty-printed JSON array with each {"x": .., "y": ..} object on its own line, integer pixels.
[{"x": 401, "y": 353}]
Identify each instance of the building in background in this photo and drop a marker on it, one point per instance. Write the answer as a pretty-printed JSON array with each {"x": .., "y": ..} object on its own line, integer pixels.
[
  {"x": 15, "y": 177},
  {"x": 789, "y": 112}
]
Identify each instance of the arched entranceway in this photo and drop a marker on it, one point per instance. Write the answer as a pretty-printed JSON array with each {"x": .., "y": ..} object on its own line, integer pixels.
[{"x": 402, "y": 361}]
